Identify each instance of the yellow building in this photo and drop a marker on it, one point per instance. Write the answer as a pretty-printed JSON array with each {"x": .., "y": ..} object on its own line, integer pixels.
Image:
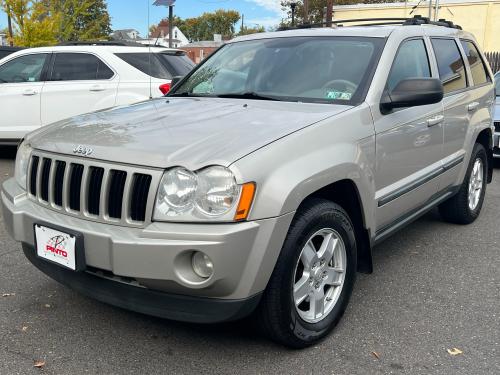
[{"x": 480, "y": 17}]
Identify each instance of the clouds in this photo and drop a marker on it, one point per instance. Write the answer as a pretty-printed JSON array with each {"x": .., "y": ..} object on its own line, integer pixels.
[{"x": 271, "y": 5}]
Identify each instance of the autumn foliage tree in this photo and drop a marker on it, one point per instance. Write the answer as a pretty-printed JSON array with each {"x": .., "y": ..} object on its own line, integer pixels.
[
  {"x": 317, "y": 9},
  {"x": 48, "y": 22},
  {"x": 205, "y": 26}
]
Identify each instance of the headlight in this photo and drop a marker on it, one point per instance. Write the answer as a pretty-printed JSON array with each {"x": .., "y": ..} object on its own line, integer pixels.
[
  {"x": 217, "y": 191},
  {"x": 209, "y": 194},
  {"x": 22, "y": 160}
]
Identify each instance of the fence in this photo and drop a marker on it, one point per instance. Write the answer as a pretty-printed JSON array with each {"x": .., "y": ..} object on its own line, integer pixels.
[{"x": 494, "y": 60}]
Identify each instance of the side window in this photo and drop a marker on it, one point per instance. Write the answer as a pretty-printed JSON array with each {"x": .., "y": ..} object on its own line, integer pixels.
[
  {"x": 79, "y": 67},
  {"x": 450, "y": 64},
  {"x": 478, "y": 69},
  {"x": 411, "y": 62},
  {"x": 26, "y": 68},
  {"x": 147, "y": 63}
]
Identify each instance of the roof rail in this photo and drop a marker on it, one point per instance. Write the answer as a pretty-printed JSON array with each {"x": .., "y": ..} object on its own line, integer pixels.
[
  {"x": 415, "y": 20},
  {"x": 103, "y": 43}
]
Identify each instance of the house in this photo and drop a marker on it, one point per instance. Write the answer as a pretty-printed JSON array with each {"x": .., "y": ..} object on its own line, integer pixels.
[
  {"x": 198, "y": 51},
  {"x": 129, "y": 35},
  {"x": 3, "y": 40},
  {"x": 161, "y": 33},
  {"x": 480, "y": 17}
]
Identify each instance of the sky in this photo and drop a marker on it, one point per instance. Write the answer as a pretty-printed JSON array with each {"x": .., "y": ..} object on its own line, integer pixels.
[{"x": 133, "y": 14}]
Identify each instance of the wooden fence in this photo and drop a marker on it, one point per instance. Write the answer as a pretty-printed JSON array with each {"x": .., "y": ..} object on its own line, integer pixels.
[{"x": 494, "y": 60}]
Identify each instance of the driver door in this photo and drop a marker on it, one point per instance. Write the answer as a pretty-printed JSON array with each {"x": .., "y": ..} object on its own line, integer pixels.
[
  {"x": 21, "y": 83},
  {"x": 409, "y": 143}
]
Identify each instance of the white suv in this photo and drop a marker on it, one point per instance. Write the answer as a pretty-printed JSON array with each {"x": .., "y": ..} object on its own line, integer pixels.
[{"x": 40, "y": 86}]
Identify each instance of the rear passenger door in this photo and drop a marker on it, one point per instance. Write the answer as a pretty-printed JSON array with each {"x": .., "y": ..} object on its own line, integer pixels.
[
  {"x": 21, "y": 81},
  {"x": 465, "y": 103},
  {"x": 78, "y": 83},
  {"x": 409, "y": 142}
]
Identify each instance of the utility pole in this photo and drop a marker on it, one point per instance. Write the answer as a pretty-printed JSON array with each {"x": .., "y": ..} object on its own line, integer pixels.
[
  {"x": 293, "y": 6},
  {"x": 430, "y": 9},
  {"x": 170, "y": 25},
  {"x": 170, "y": 4},
  {"x": 436, "y": 11},
  {"x": 242, "y": 23},
  {"x": 9, "y": 23},
  {"x": 329, "y": 13},
  {"x": 306, "y": 11}
]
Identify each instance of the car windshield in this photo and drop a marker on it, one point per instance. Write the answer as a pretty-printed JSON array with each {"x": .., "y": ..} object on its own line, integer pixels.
[
  {"x": 497, "y": 83},
  {"x": 308, "y": 69}
]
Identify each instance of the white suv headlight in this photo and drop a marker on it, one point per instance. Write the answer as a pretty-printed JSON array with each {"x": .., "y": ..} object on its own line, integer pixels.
[
  {"x": 22, "y": 160},
  {"x": 208, "y": 194}
]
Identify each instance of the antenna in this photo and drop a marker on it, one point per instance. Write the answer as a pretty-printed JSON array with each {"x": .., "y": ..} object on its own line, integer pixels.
[{"x": 149, "y": 57}]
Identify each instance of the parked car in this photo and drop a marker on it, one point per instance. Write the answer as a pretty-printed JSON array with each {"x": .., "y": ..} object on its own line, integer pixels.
[
  {"x": 257, "y": 186},
  {"x": 496, "y": 117},
  {"x": 6, "y": 50},
  {"x": 40, "y": 86}
]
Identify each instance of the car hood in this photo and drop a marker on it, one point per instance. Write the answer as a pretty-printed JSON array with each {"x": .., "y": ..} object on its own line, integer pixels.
[{"x": 189, "y": 132}]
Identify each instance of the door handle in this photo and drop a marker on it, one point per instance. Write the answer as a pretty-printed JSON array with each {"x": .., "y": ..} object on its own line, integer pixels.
[
  {"x": 435, "y": 120},
  {"x": 29, "y": 92},
  {"x": 472, "y": 106},
  {"x": 97, "y": 88}
]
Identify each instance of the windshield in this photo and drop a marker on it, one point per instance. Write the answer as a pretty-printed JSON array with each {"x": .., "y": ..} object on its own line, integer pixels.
[
  {"x": 310, "y": 69},
  {"x": 497, "y": 83}
]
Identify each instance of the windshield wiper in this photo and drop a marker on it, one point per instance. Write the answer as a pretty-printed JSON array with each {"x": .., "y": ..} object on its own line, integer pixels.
[{"x": 246, "y": 95}]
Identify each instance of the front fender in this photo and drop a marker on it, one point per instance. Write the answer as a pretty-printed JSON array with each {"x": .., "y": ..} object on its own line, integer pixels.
[{"x": 289, "y": 170}]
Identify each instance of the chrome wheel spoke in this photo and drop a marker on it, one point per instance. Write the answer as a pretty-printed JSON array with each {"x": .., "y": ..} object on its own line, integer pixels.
[
  {"x": 327, "y": 248},
  {"x": 309, "y": 255},
  {"x": 301, "y": 289},
  {"x": 333, "y": 276},
  {"x": 317, "y": 305}
]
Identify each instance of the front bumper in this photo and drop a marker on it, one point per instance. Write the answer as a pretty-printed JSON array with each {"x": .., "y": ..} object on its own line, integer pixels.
[{"x": 155, "y": 261}]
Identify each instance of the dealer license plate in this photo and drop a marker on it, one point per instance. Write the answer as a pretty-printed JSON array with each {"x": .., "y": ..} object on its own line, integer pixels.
[{"x": 56, "y": 246}]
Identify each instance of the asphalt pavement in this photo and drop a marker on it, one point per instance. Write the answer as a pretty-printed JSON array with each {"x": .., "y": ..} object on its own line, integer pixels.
[{"x": 436, "y": 286}]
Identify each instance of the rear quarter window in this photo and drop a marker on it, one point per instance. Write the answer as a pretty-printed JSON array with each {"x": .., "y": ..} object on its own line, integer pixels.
[
  {"x": 478, "y": 69},
  {"x": 450, "y": 65},
  {"x": 147, "y": 63},
  {"x": 177, "y": 64}
]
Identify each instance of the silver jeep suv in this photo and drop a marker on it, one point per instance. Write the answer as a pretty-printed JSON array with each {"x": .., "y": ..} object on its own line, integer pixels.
[{"x": 263, "y": 180}]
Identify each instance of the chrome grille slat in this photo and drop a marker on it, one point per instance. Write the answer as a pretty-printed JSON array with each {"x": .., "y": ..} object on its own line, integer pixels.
[
  {"x": 126, "y": 197},
  {"x": 86, "y": 185},
  {"x": 84, "y": 190},
  {"x": 51, "y": 181}
]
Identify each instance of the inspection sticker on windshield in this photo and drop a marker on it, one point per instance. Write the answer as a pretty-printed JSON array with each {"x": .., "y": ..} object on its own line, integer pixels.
[{"x": 338, "y": 95}]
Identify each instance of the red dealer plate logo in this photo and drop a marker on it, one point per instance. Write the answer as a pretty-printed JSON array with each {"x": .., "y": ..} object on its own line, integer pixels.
[{"x": 56, "y": 246}]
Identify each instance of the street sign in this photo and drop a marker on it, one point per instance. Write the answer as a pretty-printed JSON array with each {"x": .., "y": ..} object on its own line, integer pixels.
[{"x": 166, "y": 3}]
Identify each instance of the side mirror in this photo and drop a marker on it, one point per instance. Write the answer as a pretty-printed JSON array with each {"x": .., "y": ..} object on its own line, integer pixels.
[
  {"x": 176, "y": 80},
  {"x": 413, "y": 92}
]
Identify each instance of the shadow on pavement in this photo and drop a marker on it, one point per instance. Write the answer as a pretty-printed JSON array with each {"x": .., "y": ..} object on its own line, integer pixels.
[{"x": 8, "y": 152}]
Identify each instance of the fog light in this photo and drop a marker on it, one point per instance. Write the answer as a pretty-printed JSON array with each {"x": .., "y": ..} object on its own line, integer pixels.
[{"x": 202, "y": 265}]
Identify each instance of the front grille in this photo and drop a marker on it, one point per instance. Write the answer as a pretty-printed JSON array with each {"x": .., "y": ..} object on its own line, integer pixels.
[
  {"x": 93, "y": 190},
  {"x": 497, "y": 126}
]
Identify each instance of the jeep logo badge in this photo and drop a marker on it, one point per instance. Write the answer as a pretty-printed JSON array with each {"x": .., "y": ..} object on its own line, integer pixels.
[{"x": 82, "y": 150}]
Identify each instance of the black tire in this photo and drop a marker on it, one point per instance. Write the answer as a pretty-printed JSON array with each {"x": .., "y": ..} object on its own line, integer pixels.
[
  {"x": 277, "y": 314},
  {"x": 456, "y": 209}
]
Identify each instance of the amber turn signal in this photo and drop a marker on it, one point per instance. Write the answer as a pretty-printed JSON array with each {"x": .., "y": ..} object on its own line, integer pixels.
[{"x": 246, "y": 199}]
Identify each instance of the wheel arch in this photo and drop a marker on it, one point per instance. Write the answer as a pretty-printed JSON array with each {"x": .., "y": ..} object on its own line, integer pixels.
[
  {"x": 485, "y": 138},
  {"x": 346, "y": 194}
]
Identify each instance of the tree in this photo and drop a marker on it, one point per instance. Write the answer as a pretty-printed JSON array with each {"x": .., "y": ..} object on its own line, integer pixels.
[
  {"x": 317, "y": 9},
  {"x": 251, "y": 30},
  {"x": 31, "y": 25},
  {"x": 81, "y": 19},
  {"x": 205, "y": 26},
  {"x": 47, "y": 22}
]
